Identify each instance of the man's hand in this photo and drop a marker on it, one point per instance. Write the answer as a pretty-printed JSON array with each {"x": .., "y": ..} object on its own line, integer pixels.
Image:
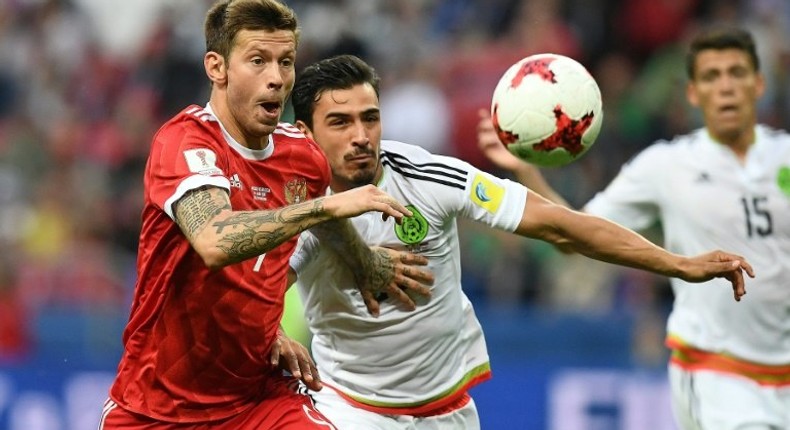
[
  {"x": 363, "y": 199},
  {"x": 292, "y": 356},
  {"x": 493, "y": 148},
  {"x": 399, "y": 275},
  {"x": 718, "y": 264}
]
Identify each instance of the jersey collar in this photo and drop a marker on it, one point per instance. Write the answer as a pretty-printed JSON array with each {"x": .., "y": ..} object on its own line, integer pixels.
[{"x": 247, "y": 153}]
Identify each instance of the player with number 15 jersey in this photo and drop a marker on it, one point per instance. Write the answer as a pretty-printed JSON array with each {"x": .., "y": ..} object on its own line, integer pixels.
[{"x": 707, "y": 198}]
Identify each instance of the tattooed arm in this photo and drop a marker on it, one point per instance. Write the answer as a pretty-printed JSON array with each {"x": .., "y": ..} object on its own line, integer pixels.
[
  {"x": 223, "y": 236},
  {"x": 376, "y": 270}
]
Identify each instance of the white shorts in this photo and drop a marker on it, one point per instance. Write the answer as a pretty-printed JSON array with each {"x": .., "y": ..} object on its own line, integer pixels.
[
  {"x": 346, "y": 416},
  {"x": 708, "y": 400}
]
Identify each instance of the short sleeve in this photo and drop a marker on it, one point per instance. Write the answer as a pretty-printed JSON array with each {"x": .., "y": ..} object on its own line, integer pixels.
[
  {"x": 184, "y": 157},
  {"x": 631, "y": 199},
  {"x": 305, "y": 252},
  {"x": 489, "y": 199}
]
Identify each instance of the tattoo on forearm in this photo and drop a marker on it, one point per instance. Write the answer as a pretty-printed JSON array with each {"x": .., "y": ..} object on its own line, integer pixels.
[
  {"x": 255, "y": 232},
  {"x": 373, "y": 270},
  {"x": 340, "y": 236},
  {"x": 197, "y": 208},
  {"x": 249, "y": 243},
  {"x": 244, "y": 234}
]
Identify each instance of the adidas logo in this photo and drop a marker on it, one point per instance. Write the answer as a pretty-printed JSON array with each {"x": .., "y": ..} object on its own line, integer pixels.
[
  {"x": 235, "y": 182},
  {"x": 703, "y": 177}
]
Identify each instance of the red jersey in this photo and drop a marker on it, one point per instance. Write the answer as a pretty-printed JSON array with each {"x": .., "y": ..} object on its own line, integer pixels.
[{"x": 197, "y": 343}]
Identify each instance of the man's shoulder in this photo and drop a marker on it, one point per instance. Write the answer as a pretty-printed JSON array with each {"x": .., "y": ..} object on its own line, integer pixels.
[
  {"x": 776, "y": 136},
  {"x": 694, "y": 137},
  {"x": 286, "y": 134},
  {"x": 193, "y": 119},
  {"x": 417, "y": 163},
  {"x": 678, "y": 143},
  {"x": 290, "y": 132},
  {"x": 290, "y": 142},
  {"x": 193, "y": 114},
  {"x": 419, "y": 156}
]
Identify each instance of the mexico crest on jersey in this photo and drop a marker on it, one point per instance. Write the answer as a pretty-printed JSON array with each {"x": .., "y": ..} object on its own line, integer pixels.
[
  {"x": 783, "y": 179},
  {"x": 296, "y": 190},
  {"x": 413, "y": 229}
]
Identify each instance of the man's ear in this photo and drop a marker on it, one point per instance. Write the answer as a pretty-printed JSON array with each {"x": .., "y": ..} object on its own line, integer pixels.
[
  {"x": 304, "y": 128},
  {"x": 760, "y": 85},
  {"x": 216, "y": 69},
  {"x": 691, "y": 94}
]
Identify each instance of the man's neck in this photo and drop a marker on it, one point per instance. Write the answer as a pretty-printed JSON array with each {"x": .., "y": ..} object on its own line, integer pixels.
[
  {"x": 339, "y": 185},
  {"x": 738, "y": 143},
  {"x": 232, "y": 127}
]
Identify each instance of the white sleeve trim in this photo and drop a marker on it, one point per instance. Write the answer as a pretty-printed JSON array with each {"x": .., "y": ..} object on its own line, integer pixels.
[
  {"x": 304, "y": 253},
  {"x": 191, "y": 183},
  {"x": 518, "y": 194}
]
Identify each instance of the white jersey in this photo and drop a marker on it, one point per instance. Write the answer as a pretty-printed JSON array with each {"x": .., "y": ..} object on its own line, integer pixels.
[
  {"x": 405, "y": 360},
  {"x": 706, "y": 199}
]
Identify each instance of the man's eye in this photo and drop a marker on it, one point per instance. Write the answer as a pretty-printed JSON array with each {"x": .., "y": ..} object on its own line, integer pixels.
[{"x": 740, "y": 72}]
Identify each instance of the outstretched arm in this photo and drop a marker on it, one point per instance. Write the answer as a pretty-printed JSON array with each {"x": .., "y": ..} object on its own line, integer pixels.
[
  {"x": 547, "y": 216},
  {"x": 606, "y": 241},
  {"x": 223, "y": 236}
]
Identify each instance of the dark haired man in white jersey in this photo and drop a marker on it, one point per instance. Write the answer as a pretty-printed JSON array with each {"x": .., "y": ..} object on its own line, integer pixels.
[{"x": 413, "y": 370}]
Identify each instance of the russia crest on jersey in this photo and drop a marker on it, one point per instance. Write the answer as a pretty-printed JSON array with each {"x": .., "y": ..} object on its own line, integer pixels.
[{"x": 296, "y": 190}]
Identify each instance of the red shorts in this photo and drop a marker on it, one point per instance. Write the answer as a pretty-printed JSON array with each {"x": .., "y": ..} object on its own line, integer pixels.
[{"x": 284, "y": 410}]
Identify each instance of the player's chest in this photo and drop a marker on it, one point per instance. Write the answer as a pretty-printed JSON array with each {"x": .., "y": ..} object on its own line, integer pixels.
[
  {"x": 752, "y": 200},
  {"x": 261, "y": 186},
  {"x": 426, "y": 231}
]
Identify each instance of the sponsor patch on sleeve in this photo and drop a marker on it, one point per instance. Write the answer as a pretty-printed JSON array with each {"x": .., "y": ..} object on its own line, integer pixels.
[
  {"x": 486, "y": 194},
  {"x": 202, "y": 161}
]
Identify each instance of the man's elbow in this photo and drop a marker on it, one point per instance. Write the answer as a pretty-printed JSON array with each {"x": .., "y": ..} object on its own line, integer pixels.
[
  {"x": 213, "y": 257},
  {"x": 566, "y": 247}
]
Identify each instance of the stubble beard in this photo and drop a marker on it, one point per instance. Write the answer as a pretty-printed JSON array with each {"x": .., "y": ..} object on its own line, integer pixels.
[{"x": 362, "y": 177}]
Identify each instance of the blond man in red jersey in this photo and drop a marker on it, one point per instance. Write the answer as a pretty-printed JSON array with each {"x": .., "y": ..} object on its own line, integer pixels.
[{"x": 227, "y": 189}]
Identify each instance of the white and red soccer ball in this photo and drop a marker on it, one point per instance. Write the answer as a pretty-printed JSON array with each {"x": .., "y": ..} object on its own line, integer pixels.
[{"x": 547, "y": 109}]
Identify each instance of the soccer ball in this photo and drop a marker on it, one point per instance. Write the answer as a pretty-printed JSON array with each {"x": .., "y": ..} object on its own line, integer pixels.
[{"x": 546, "y": 110}]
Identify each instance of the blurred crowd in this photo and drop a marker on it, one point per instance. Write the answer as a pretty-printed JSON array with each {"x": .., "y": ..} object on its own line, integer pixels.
[{"x": 86, "y": 83}]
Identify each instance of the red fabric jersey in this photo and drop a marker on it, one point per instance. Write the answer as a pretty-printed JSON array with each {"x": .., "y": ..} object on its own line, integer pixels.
[{"x": 197, "y": 342}]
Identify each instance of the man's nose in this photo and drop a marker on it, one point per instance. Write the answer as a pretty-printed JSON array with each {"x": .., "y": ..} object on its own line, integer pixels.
[
  {"x": 360, "y": 137},
  {"x": 727, "y": 83},
  {"x": 275, "y": 79}
]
